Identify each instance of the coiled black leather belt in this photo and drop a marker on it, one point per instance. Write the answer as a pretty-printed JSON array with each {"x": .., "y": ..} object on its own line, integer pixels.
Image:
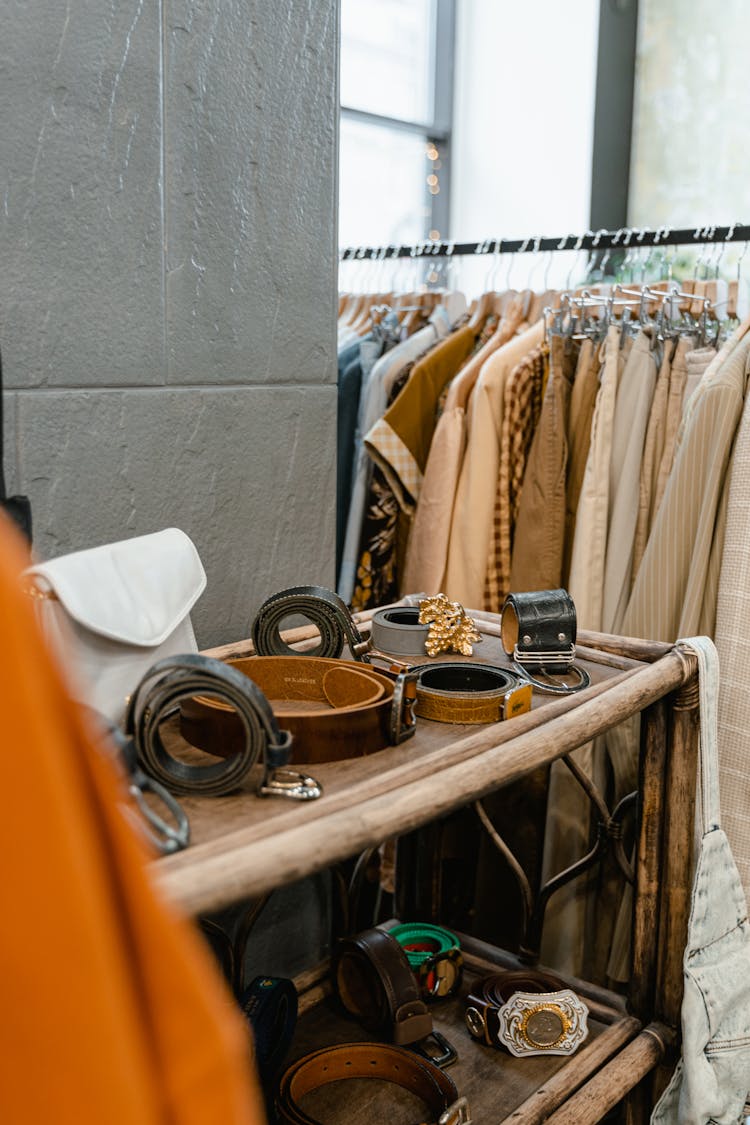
[
  {"x": 461, "y": 692},
  {"x": 370, "y": 1060},
  {"x": 270, "y": 1004},
  {"x": 158, "y": 696},
  {"x": 538, "y": 631},
  {"x": 327, "y": 612}
]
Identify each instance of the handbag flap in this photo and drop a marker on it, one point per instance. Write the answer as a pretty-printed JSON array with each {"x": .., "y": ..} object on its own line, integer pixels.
[{"x": 136, "y": 591}]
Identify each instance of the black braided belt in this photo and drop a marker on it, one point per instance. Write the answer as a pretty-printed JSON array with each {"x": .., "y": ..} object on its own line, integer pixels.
[
  {"x": 157, "y": 697},
  {"x": 327, "y": 612}
]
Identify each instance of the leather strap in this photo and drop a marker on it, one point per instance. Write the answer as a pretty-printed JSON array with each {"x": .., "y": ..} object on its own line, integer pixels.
[
  {"x": 453, "y": 692},
  {"x": 270, "y": 1005},
  {"x": 159, "y": 694},
  {"x": 167, "y": 836},
  {"x": 369, "y": 1060},
  {"x": 434, "y": 956},
  {"x": 398, "y": 632},
  {"x": 376, "y": 985},
  {"x": 327, "y": 612},
  {"x": 334, "y": 709},
  {"x": 538, "y": 631},
  {"x": 527, "y": 1013}
]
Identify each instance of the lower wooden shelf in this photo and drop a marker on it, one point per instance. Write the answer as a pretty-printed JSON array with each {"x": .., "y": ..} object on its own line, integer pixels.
[{"x": 499, "y": 1087}]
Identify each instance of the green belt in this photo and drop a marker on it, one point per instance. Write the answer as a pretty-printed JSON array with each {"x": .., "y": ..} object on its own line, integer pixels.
[{"x": 434, "y": 956}]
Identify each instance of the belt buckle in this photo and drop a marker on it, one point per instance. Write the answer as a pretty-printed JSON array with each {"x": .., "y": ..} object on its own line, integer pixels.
[
  {"x": 403, "y": 723},
  {"x": 543, "y": 1023},
  {"x": 540, "y": 658},
  {"x": 456, "y": 1114},
  {"x": 448, "y": 1054},
  {"x": 282, "y": 782},
  {"x": 432, "y": 965}
]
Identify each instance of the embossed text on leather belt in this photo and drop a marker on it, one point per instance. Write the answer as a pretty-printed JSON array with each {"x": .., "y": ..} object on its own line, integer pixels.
[
  {"x": 453, "y": 692},
  {"x": 177, "y": 678},
  {"x": 538, "y": 631},
  {"x": 378, "y": 1061},
  {"x": 335, "y": 709},
  {"x": 434, "y": 956},
  {"x": 327, "y": 612},
  {"x": 528, "y": 1012}
]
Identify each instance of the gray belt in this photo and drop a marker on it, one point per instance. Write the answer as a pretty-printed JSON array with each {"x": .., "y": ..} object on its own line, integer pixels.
[{"x": 398, "y": 632}]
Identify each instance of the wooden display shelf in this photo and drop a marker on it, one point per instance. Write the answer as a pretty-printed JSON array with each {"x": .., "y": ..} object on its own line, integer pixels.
[
  {"x": 500, "y": 1089},
  {"x": 244, "y": 846}
]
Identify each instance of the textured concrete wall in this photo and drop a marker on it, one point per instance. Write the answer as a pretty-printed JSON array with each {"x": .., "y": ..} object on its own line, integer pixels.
[{"x": 167, "y": 241}]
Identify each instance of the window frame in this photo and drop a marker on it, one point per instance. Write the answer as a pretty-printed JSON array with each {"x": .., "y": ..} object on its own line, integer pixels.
[{"x": 438, "y": 130}]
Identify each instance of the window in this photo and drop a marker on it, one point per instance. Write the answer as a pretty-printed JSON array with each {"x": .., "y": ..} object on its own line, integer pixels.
[{"x": 396, "y": 107}]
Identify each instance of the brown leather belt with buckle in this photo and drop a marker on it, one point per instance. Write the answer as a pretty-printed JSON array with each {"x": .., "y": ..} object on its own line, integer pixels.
[
  {"x": 370, "y": 1060},
  {"x": 377, "y": 986},
  {"x": 462, "y": 692},
  {"x": 527, "y": 1012},
  {"x": 334, "y": 709}
]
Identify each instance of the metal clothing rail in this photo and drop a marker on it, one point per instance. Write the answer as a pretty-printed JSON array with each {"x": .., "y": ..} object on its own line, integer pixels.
[{"x": 591, "y": 240}]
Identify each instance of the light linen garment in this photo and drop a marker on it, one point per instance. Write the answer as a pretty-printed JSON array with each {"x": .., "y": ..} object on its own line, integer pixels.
[
  {"x": 373, "y": 401},
  {"x": 471, "y": 525},
  {"x": 653, "y": 448},
  {"x": 590, "y": 539},
  {"x": 635, "y": 394},
  {"x": 566, "y": 836},
  {"x": 539, "y": 535},
  {"x": 712, "y": 1078},
  {"x": 427, "y": 554},
  {"x": 733, "y": 643},
  {"x": 671, "y": 588},
  {"x": 399, "y": 442},
  {"x": 580, "y": 418}
]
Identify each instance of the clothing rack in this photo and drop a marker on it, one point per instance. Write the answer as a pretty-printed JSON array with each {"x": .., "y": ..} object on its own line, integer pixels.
[{"x": 591, "y": 240}]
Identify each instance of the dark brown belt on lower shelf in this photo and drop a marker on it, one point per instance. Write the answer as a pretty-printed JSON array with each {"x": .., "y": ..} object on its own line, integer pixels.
[
  {"x": 334, "y": 709},
  {"x": 369, "y": 1060},
  {"x": 376, "y": 985}
]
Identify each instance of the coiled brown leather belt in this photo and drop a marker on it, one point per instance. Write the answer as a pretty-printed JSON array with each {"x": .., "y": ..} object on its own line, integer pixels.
[
  {"x": 173, "y": 680},
  {"x": 327, "y": 612},
  {"x": 461, "y": 692},
  {"x": 370, "y": 1060},
  {"x": 528, "y": 1012},
  {"x": 334, "y": 709},
  {"x": 376, "y": 985}
]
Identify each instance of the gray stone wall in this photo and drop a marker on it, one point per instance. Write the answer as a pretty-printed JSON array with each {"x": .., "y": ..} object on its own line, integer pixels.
[{"x": 167, "y": 282}]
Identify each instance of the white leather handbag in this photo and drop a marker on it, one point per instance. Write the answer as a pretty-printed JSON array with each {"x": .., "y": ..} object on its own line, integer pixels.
[{"x": 111, "y": 612}]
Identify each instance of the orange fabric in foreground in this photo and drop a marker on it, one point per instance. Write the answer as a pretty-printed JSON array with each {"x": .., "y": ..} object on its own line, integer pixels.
[{"x": 112, "y": 1012}]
